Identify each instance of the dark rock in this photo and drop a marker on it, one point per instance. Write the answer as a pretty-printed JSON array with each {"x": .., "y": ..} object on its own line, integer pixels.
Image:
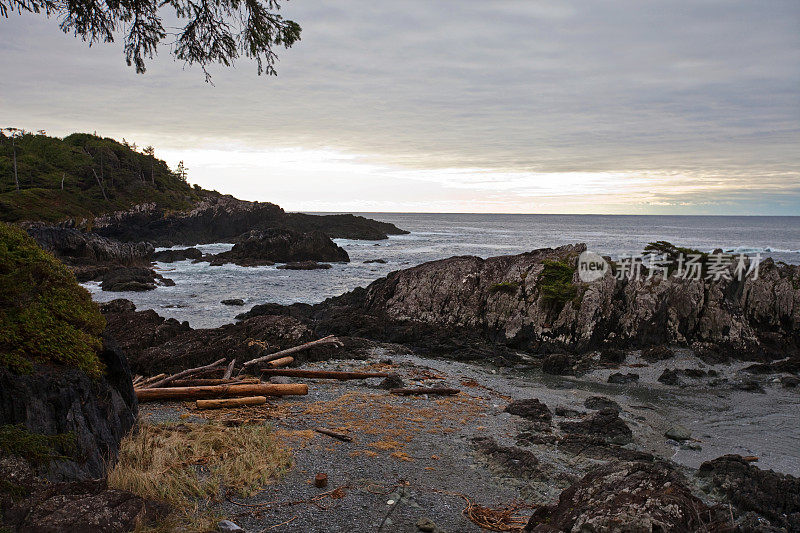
[
  {"x": 669, "y": 377},
  {"x": 612, "y": 355},
  {"x": 77, "y": 249},
  {"x": 233, "y": 301},
  {"x": 605, "y": 424},
  {"x": 78, "y": 507},
  {"x": 426, "y": 525},
  {"x": 557, "y": 364},
  {"x": 133, "y": 279},
  {"x": 678, "y": 433},
  {"x": 791, "y": 365},
  {"x": 657, "y": 353},
  {"x": 530, "y": 408},
  {"x": 171, "y": 256},
  {"x": 624, "y": 497},
  {"x": 305, "y": 265},
  {"x": 598, "y": 403},
  {"x": 380, "y": 261},
  {"x": 281, "y": 246},
  {"x": 58, "y": 400},
  {"x": 514, "y": 461},
  {"x": 769, "y": 494},
  {"x": 750, "y": 385},
  {"x": 392, "y": 381},
  {"x": 223, "y": 218},
  {"x": 567, "y": 412},
  {"x": 790, "y": 382},
  {"x": 621, "y": 379},
  {"x": 599, "y": 448}
]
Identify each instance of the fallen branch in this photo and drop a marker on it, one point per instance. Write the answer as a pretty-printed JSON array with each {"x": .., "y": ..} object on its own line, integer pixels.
[
  {"x": 283, "y": 361},
  {"x": 321, "y": 374},
  {"x": 330, "y": 339},
  {"x": 144, "y": 382},
  {"x": 335, "y": 435},
  {"x": 221, "y": 391},
  {"x": 231, "y": 402},
  {"x": 229, "y": 370},
  {"x": 436, "y": 391},
  {"x": 183, "y": 374},
  {"x": 199, "y": 382}
]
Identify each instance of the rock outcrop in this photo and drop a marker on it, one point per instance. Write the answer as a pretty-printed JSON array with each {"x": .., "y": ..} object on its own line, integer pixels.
[
  {"x": 224, "y": 218},
  {"x": 624, "y": 496},
  {"x": 154, "y": 344},
  {"x": 280, "y": 246},
  {"x": 133, "y": 279},
  {"x": 170, "y": 256},
  {"x": 773, "y": 496},
  {"x": 64, "y": 400},
  {"x": 89, "y": 255},
  {"x": 508, "y": 302}
]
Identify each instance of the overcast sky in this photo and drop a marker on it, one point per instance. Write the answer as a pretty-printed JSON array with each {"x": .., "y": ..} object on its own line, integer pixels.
[{"x": 619, "y": 106}]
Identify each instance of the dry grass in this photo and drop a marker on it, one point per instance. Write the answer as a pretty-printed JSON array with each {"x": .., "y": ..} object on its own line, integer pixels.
[{"x": 183, "y": 463}]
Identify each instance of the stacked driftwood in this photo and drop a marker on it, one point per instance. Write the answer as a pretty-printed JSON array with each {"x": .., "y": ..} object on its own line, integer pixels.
[{"x": 215, "y": 386}]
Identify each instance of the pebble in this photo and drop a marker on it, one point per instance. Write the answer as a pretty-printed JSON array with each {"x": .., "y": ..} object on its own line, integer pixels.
[
  {"x": 227, "y": 525},
  {"x": 678, "y": 433},
  {"x": 426, "y": 524}
]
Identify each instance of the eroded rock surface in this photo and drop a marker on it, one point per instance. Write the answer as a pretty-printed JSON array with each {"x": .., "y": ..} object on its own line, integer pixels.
[
  {"x": 625, "y": 497},
  {"x": 280, "y": 246},
  {"x": 58, "y": 400}
]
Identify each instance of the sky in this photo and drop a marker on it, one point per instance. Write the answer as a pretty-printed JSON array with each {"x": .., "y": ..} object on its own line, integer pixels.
[{"x": 526, "y": 106}]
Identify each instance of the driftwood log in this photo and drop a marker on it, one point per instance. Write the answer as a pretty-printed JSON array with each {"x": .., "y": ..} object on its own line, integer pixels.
[
  {"x": 145, "y": 381},
  {"x": 440, "y": 391},
  {"x": 334, "y": 434},
  {"x": 229, "y": 370},
  {"x": 231, "y": 402},
  {"x": 330, "y": 339},
  {"x": 221, "y": 391},
  {"x": 278, "y": 363},
  {"x": 183, "y": 374},
  {"x": 198, "y": 382},
  {"x": 321, "y": 374}
]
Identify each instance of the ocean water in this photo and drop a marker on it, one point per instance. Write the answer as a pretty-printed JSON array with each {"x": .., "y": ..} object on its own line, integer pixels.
[{"x": 199, "y": 288}]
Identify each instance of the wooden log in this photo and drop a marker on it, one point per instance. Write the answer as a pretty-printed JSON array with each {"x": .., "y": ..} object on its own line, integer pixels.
[
  {"x": 283, "y": 361},
  {"x": 221, "y": 391},
  {"x": 435, "y": 390},
  {"x": 144, "y": 382},
  {"x": 231, "y": 402},
  {"x": 334, "y": 434},
  {"x": 198, "y": 382},
  {"x": 321, "y": 374},
  {"x": 183, "y": 374},
  {"x": 229, "y": 370},
  {"x": 330, "y": 339}
]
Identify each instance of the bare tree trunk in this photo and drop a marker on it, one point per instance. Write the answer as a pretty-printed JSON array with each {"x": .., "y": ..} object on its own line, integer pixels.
[
  {"x": 100, "y": 183},
  {"x": 14, "y": 150},
  {"x": 62, "y": 180}
]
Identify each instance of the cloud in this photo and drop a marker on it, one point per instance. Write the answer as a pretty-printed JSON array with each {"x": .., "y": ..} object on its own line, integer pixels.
[{"x": 515, "y": 98}]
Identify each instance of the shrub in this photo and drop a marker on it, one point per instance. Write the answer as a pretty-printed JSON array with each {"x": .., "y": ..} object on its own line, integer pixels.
[
  {"x": 508, "y": 287},
  {"x": 45, "y": 316},
  {"x": 555, "y": 282}
]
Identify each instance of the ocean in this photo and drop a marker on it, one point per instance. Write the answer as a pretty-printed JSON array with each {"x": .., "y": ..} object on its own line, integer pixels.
[{"x": 199, "y": 288}]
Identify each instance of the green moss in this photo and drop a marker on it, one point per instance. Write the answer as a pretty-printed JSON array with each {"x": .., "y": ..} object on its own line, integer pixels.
[
  {"x": 35, "y": 447},
  {"x": 555, "y": 282},
  {"x": 17, "y": 492},
  {"x": 45, "y": 316},
  {"x": 507, "y": 287}
]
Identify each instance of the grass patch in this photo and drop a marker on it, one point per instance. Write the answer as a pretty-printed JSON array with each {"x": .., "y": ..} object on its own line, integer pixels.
[
  {"x": 507, "y": 287},
  {"x": 555, "y": 282},
  {"x": 35, "y": 447},
  {"x": 179, "y": 463},
  {"x": 45, "y": 316}
]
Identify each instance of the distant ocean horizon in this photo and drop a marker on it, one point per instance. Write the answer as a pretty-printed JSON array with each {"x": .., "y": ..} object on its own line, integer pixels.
[{"x": 200, "y": 287}]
